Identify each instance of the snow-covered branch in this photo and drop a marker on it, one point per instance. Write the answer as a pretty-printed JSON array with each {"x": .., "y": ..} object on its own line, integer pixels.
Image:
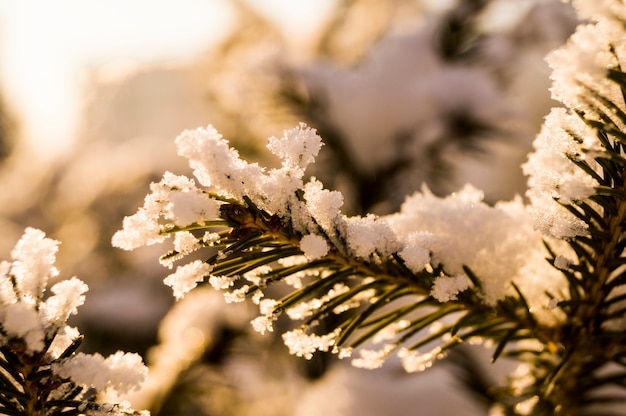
[
  {"x": 41, "y": 372},
  {"x": 541, "y": 280}
]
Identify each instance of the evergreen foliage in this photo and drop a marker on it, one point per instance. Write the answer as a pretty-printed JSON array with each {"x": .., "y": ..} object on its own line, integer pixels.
[
  {"x": 539, "y": 282},
  {"x": 40, "y": 371},
  {"x": 263, "y": 229}
]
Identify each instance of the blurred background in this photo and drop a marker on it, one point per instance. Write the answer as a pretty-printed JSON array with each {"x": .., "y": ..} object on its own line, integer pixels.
[{"x": 403, "y": 92}]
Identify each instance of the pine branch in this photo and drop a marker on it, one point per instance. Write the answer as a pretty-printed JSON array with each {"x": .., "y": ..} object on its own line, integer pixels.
[
  {"x": 402, "y": 280},
  {"x": 572, "y": 380},
  {"x": 393, "y": 293},
  {"x": 40, "y": 372}
]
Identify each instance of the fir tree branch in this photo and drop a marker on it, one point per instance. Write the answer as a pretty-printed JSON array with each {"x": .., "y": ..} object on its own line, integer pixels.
[{"x": 257, "y": 239}]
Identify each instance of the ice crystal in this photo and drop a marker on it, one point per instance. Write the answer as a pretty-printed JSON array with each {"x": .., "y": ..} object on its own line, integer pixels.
[
  {"x": 215, "y": 164},
  {"x": 297, "y": 148},
  {"x": 23, "y": 312},
  {"x": 370, "y": 235},
  {"x": 498, "y": 243},
  {"x": 237, "y": 295},
  {"x": 561, "y": 262},
  {"x": 305, "y": 309},
  {"x": 372, "y": 359},
  {"x": 185, "y": 243},
  {"x": 415, "y": 252},
  {"x": 313, "y": 246},
  {"x": 446, "y": 288},
  {"x": 191, "y": 206},
  {"x": 527, "y": 406},
  {"x": 256, "y": 276},
  {"x": 33, "y": 263},
  {"x": 267, "y": 306},
  {"x": 295, "y": 279},
  {"x": 413, "y": 361},
  {"x": 175, "y": 199},
  {"x": 324, "y": 205},
  {"x": 38, "y": 326},
  {"x": 553, "y": 175},
  {"x": 68, "y": 296},
  {"x": 120, "y": 371},
  {"x": 21, "y": 320},
  {"x": 138, "y": 230},
  {"x": 187, "y": 277},
  {"x": 263, "y": 323},
  {"x": 304, "y": 345},
  {"x": 390, "y": 331},
  {"x": 221, "y": 282},
  {"x": 63, "y": 339},
  {"x": 522, "y": 378}
]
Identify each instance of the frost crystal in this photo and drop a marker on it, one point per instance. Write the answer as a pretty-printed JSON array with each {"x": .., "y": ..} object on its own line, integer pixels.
[
  {"x": 175, "y": 199},
  {"x": 7, "y": 293},
  {"x": 306, "y": 309},
  {"x": 323, "y": 204},
  {"x": 22, "y": 321},
  {"x": 413, "y": 361},
  {"x": 138, "y": 230},
  {"x": 562, "y": 263},
  {"x": 39, "y": 329},
  {"x": 23, "y": 312},
  {"x": 68, "y": 296},
  {"x": 185, "y": 242},
  {"x": 391, "y": 331},
  {"x": 64, "y": 338},
  {"x": 256, "y": 276},
  {"x": 371, "y": 359},
  {"x": 527, "y": 406},
  {"x": 304, "y": 345},
  {"x": 582, "y": 62},
  {"x": 522, "y": 378},
  {"x": 446, "y": 288},
  {"x": 33, "y": 262},
  {"x": 267, "y": 306},
  {"x": 553, "y": 175},
  {"x": 415, "y": 253},
  {"x": 263, "y": 323},
  {"x": 313, "y": 246},
  {"x": 295, "y": 279},
  {"x": 187, "y": 277},
  {"x": 215, "y": 164},
  {"x": 297, "y": 148},
  {"x": 237, "y": 295},
  {"x": 221, "y": 282},
  {"x": 497, "y": 243},
  {"x": 120, "y": 371},
  {"x": 369, "y": 235},
  {"x": 191, "y": 207}
]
